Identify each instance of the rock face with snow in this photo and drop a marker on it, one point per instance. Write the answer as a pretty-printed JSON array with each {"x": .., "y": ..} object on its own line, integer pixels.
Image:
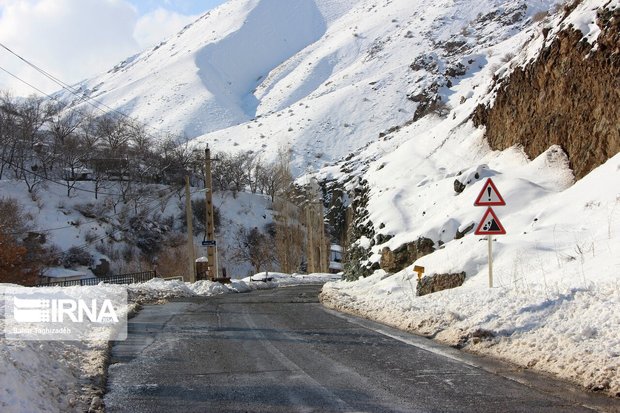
[
  {"x": 405, "y": 255},
  {"x": 321, "y": 77},
  {"x": 568, "y": 95}
]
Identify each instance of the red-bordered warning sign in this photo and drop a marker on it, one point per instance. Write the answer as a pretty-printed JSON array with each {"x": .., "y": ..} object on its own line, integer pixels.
[
  {"x": 490, "y": 224},
  {"x": 489, "y": 196}
]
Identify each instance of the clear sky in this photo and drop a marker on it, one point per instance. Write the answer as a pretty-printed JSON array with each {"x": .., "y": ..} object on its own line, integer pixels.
[
  {"x": 77, "y": 39},
  {"x": 187, "y": 7}
]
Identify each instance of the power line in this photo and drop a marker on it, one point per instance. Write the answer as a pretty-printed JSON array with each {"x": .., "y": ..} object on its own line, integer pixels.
[
  {"x": 60, "y": 83},
  {"x": 32, "y": 86},
  {"x": 37, "y": 68},
  {"x": 55, "y": 99},
  {"x": 91, "y": 101}
]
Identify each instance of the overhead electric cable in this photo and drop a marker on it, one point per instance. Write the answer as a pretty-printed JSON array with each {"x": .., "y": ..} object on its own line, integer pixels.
[
  {"x": 83, "y": 96},
  {"x": 23, "y": 81}
]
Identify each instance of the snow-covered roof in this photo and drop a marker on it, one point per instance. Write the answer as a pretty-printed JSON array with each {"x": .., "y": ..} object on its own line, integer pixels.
[
  {"x": 60, "y": 272},
  {"x": 80, "y": 170}
]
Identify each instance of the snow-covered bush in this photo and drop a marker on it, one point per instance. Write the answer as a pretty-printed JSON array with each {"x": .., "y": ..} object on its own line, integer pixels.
[{"x": 76, "y": 256}]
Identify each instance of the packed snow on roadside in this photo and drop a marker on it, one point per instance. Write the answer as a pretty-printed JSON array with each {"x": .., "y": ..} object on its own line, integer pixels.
[
  {"x": 278, "y": 279},
  {"x": 554, "y": 305},
  {"x": 58, "y": 376}
]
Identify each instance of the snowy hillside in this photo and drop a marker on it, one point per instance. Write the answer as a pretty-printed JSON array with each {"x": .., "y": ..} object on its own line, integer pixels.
[
  {"x": 323, "y": 77},
  {"x": 203, "y": 79},
  {"x": 123, "y": 235},
  {"x": 555, "y": 272},
  {"x": 376, "y": 100}
]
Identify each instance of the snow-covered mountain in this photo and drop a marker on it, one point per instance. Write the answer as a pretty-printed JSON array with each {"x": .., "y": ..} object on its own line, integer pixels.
[
  {"x": 383, "y": 98},
  {"x": 323, "y": 77},
  {"x": 206, "y": 77},
  {"x": 403, "y": 109}
]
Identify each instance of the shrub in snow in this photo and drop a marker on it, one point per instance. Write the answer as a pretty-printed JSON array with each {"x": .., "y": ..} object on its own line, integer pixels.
[
  {"x": 76, "y": 256},
  {"x": 88, "y": 210},
  {"x": 102, "y": 269}
]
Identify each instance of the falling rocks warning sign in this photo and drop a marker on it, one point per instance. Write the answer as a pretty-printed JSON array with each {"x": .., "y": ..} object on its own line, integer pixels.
[{"x": 490, "y": 224}]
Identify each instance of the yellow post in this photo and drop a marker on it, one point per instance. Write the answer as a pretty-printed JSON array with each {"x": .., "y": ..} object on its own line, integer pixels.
[{"x": 419, "y": 270}]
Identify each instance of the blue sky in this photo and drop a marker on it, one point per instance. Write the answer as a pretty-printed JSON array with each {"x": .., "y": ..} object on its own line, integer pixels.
[
  {"x": 78, "y": 39},
  {"x": 180, "y": 6}
]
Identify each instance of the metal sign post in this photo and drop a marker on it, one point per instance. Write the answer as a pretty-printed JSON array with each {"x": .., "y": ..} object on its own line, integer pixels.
[
  {"x": 490, "y": 261},
  {"x": 490, "y": 224}
]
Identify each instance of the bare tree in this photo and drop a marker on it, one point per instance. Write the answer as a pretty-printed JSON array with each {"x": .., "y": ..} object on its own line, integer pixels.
[
  {"x": 8, "y": 131},
  {"x": 72, "y": 158},
  {"x": 114, "y": 132},
  {"x": 255, "y": 247},
  {"x": 289, "y": 235}
]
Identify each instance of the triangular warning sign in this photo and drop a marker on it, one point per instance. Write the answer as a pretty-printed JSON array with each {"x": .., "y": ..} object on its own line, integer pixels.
[
  {"x": 490, "y": 224},
  {"x": 489, "y": 196}
]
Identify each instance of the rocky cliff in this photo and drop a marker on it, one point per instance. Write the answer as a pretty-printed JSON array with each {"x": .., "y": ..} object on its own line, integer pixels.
[{"x": 569, "y": 96}]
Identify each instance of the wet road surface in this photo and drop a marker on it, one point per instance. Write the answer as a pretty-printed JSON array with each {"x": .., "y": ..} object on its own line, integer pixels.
[{"x": 281, "y": 351}]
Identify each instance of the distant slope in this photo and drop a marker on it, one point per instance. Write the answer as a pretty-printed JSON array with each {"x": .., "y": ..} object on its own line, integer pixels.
[
  {"x": 378, "y": 67},
  {"x": 323, "y": 77},
  {"x": 203, "y": 79}
]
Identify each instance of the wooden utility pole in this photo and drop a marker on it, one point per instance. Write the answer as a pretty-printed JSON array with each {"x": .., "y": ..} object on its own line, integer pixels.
[
  {"x": 190, "y": 234},
  {"x": 310, "y": 238},
  {"x": 212, "y": 273}
]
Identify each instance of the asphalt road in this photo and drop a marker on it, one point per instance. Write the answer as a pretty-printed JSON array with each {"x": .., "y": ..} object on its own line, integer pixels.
[{"x": 281, "y": 351}]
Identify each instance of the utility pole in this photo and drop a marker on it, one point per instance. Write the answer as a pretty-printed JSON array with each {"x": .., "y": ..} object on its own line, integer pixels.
[
  {"x": 210, "y": 227},
  {"x": 190, "y": 234},
  {"x": 310, "y": 237}
]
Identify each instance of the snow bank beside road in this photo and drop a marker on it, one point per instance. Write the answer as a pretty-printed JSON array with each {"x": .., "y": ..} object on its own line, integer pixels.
[
  {"x": 278, "y": 279},
  {"x": 59, "y": 376},
  {"x": 55, "y": 376},
  {"x": 568, "y": 331}
]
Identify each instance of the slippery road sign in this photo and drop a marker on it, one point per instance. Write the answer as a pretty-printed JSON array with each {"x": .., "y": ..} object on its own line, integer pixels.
[
  {"x": 489, "y": 196},
  {"x": 490, "y": 224}
]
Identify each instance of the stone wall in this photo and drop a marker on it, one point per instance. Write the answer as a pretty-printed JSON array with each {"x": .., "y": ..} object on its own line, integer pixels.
[{"x": 439, "y": 282}]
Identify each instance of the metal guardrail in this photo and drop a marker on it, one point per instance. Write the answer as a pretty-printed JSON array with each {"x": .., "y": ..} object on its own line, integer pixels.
[{"x": 113, "y": 279}]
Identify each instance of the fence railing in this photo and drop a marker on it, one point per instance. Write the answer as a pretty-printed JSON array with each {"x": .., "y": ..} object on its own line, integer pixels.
[{"x": 136, "y": 277}]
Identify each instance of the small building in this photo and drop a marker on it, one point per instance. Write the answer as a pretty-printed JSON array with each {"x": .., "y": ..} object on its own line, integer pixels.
[
  {"x": 77, "y": 174},
  {"x": 202, "y": 268},
  {"x": 335, "y": 258},
  {"x": 60, "y": 274}
]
